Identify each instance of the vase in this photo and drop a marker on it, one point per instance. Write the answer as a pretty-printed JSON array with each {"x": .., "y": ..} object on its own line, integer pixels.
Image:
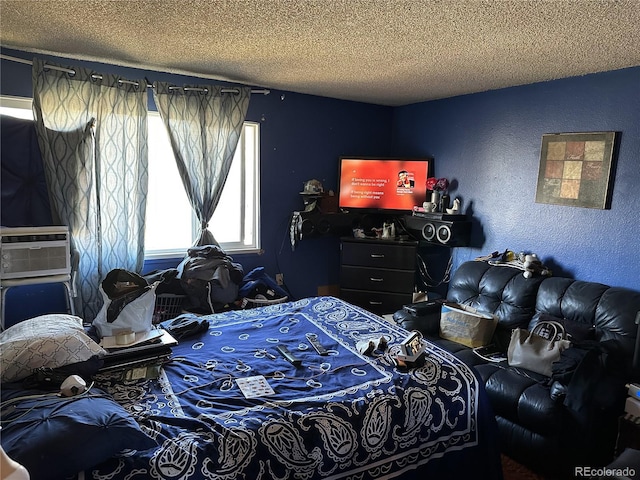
[
  {"x": 444, "y": 202},
  {"x": 435, "y": 199}
]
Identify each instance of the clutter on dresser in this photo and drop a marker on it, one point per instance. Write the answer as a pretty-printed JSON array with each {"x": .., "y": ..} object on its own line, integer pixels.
[{"x": 439, "y": 196}]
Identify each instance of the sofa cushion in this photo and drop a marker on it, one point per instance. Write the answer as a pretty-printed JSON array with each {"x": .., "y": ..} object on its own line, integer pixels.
[
  {"x": 576, "y": 331},
  {"x": 610, "y": 310},
  {"x": 538, "y": 412},
  {"x": 503, "y": 291},
  {"x": 521, "y": 397}
]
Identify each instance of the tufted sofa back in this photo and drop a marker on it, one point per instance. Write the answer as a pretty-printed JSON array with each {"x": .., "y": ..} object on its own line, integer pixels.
[{"x": 519, "y": 302}]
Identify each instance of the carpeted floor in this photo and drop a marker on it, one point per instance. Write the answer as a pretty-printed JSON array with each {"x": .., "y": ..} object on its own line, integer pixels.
[{"x": 512, "y": 470}]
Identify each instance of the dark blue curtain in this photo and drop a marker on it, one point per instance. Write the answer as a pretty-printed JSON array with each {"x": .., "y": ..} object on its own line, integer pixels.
[{"x": 24, "y": 198}]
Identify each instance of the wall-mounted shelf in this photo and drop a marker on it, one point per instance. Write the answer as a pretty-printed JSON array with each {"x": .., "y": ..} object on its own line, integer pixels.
[{"x": 435, "y": 228}]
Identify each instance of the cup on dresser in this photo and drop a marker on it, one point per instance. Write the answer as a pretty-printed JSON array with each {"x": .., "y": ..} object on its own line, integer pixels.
[{"x": 429, "y": 206}]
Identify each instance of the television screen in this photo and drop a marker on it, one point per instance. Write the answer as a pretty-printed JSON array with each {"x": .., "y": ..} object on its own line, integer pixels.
[{"x": 383, "y": 184}]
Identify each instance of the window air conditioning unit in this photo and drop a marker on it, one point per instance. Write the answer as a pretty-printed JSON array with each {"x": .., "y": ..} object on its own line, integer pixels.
[{"x": 29, "y": 252}]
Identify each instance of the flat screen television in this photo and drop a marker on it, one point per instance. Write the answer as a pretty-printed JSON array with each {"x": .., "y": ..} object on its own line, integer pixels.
[{"x": 385, "y": 185}]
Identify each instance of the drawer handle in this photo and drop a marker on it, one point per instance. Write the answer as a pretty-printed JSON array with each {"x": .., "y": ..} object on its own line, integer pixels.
[
  {"x": 376, "y": 279},
  {"x": 377, "y": 255},
  {"x": 371, "y": 302}
]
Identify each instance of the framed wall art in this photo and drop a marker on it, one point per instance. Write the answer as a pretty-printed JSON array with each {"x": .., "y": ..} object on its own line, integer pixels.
[{"x": 576, "y": 169}]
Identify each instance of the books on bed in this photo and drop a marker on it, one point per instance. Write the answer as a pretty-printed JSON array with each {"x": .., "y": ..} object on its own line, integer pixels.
[
  {"x": 127, "y": 340},
  {"x": 149, "y": 349}
]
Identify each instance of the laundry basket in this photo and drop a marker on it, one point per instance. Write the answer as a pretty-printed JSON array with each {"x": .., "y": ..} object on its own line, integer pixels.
[{"x": 168, "y": 306}]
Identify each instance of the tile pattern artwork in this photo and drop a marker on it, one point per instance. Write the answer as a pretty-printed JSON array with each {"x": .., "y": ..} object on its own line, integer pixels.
[{"x": 575, "y": 169}]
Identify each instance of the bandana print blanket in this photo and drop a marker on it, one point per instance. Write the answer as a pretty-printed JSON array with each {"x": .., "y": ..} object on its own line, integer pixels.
[{"x": 228, "y": 405}]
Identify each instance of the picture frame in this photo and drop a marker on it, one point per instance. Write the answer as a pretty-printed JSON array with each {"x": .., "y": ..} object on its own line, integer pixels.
[{"x": 576, "y": 169}]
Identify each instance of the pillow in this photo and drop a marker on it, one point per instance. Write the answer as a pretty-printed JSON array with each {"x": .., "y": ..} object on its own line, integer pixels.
[
  {"x": 56, "y": 437},
  {"x": 49, "y": 341}
]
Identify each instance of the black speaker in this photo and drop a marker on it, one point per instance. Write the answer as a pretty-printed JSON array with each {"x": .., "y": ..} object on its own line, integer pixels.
[
  {"x": 314, "y": 224},
  {"x": 451, "y": 233}
]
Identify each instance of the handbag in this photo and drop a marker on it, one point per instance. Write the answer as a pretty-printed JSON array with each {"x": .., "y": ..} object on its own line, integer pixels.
[{"x": 536, "y": 350}]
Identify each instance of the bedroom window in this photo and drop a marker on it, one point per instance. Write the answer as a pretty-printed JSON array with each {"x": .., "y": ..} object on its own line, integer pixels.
[{"x": 171, "y": 224}]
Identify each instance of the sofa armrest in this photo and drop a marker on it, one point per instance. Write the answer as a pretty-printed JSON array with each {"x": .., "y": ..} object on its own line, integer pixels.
[{"x": 428, "y": 325}]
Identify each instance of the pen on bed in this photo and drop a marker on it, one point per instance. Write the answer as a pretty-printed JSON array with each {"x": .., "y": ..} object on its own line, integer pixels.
[{"x": 264, "y": 352}]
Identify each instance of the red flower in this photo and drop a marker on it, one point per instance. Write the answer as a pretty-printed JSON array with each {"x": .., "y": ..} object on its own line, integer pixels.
[{"x": 437, "y": 184}]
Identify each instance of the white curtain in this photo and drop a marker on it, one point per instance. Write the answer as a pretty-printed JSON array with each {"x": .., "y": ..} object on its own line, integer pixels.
[
  {"x": 204, "y": 125},
  {"x": 92, "y": 131}
]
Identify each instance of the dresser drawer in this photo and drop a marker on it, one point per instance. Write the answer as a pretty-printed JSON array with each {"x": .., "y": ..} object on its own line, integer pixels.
[
  {"x": 401, "y": 257},
  {"x": 376, "y": 302},
  {"x": 377, "y": 279}
]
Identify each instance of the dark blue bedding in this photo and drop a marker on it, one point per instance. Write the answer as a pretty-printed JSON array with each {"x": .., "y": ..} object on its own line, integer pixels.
[{"x": 340, "y": 416}]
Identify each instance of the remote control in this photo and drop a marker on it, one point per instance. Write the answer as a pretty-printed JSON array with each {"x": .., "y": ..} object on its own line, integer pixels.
[
  {"x": 315, "y": 343},
  {"x": 284, "y": 351}
]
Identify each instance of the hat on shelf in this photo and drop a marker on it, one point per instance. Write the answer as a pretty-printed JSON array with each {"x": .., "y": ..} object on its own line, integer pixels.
[{"x": 312, "y": 187}]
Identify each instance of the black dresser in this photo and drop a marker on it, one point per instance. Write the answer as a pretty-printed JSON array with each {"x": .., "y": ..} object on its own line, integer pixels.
[{"x": 377, "y": 274}]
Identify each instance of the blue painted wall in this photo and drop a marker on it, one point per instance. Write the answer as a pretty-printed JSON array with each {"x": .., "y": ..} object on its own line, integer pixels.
[
  {"x": 489, "y": 143},
  {"x": 302, "y": 137}
]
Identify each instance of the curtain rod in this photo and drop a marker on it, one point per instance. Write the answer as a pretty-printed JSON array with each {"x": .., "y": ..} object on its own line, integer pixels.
[{"x": 99, "y": 77}]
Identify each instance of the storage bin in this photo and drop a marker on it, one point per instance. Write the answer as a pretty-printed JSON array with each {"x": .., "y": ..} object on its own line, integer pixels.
[{"x": 168, "y": 306}]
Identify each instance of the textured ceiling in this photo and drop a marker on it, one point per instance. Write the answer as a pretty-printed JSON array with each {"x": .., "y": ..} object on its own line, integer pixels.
[{"x": 389, "y": 52}]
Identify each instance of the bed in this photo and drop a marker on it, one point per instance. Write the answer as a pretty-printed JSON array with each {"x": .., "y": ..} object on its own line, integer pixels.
[{"x": 227, "y": 405}]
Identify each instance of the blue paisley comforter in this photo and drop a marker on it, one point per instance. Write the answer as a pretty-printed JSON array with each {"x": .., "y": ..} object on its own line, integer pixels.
[{"x": 344, "y": 415}]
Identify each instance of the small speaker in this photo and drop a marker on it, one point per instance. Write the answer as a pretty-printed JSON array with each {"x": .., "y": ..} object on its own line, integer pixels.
[
  {"x": 429, "y": 231},
  {"x": 442, "y": 232}
]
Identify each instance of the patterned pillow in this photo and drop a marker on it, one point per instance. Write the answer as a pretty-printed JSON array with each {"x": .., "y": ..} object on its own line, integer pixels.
[{"x": 48, "y": 341}]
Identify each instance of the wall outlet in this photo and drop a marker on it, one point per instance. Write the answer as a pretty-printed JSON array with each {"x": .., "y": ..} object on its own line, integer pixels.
[{"x": 279, "y": 278}]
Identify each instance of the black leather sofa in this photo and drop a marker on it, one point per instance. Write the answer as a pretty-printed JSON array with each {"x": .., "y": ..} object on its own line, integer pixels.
[{"x": 549, "y": 435}]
